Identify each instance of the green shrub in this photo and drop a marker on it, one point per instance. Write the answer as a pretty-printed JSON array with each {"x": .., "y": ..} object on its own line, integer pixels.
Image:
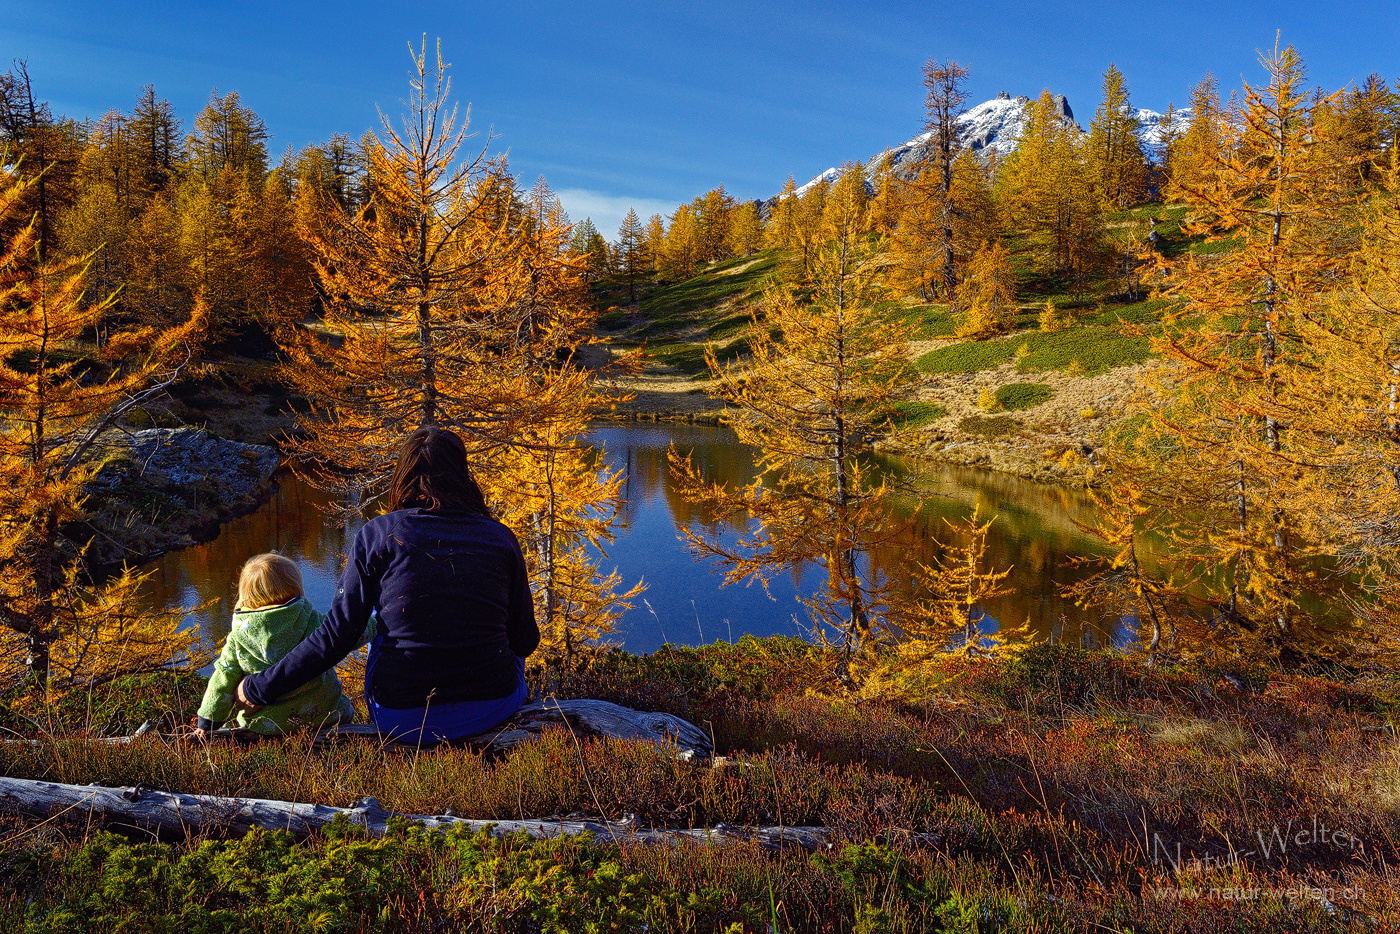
[
  {"x": 1097, "y": 349},
  {"x": 1144, "y": 312},
  {"x": 1014, "y": 396},
  {"x": 344, "y": 880},
  {"x": 915, "y": 414},
  {"x": 988, "y": 426},
  {"x": 968, "y": 357}
]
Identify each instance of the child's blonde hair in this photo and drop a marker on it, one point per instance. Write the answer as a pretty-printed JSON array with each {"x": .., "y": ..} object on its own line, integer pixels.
[{"x": 267, "y": 580}]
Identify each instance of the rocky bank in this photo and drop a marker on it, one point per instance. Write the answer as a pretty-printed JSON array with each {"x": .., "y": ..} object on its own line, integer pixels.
[{"x": 166, "y": 488}]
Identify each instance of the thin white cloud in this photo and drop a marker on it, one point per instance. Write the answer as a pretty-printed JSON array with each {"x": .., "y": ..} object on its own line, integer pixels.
[{"x": 607, "y": 211}]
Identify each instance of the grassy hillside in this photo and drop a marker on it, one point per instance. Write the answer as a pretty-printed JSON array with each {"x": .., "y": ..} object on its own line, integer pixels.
[
  {"x": 1086, "y": 371},
  {"x": 676, "y": 321}
]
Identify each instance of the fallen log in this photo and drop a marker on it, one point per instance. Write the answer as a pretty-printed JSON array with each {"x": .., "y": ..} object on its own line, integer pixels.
[
  {"x": 586, "y": 718},
  {"x": 171, "y": 815}
]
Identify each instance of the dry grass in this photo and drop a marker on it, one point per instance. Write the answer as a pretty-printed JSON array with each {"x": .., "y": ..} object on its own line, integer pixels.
[
  {"x": 1062, "y": 771},
  {"x": 1080, "y": 410}
]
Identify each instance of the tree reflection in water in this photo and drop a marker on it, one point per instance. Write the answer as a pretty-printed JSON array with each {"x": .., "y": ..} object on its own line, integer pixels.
[{"x": 1035, "y": 533}]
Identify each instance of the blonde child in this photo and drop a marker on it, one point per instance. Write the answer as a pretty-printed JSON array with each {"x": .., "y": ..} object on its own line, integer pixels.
[{"x": 270, "y": 619}]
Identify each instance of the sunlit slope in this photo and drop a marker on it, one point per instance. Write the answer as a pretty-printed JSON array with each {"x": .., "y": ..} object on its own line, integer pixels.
[{"x": 676, "y": 321}]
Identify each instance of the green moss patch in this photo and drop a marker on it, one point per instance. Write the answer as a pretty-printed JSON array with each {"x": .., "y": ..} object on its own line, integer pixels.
[
  {"x": 1015, "y": 396},
  {"x": 1145, "y": 312},
  {"x": 915, "y": 414},
  {"x": 1097, "y": 350},
  {"x": 967, "y": 357}
]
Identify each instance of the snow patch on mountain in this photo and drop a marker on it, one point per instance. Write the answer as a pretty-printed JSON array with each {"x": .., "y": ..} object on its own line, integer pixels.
[
  {"x": 829, "y": 176},
  {"x": 1151, "y": 130},
  {"x": 992, "y": 127}
]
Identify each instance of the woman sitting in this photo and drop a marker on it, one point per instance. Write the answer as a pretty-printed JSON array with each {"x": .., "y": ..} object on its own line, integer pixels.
[{"x": 456, "y": 619}]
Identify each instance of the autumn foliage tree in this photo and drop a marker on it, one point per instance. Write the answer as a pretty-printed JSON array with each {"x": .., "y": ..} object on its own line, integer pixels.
[
  {"x": 781, "y": 230},
  {"x": 1191, "y": 158},
  {"x": 1225, "y": 452},
  {"x": 61, "y": 398},
  {"x": 1114, "y": 151},
  {"x": 931, "y": 231},
  {"x": 453, "y": 301},
  {"x": 631, "y": 251},
  {"x": 988, "y": 292},
  {"x": 1047, "y": 190},
  {"x": 808, "y": 401},
  {"x": 943, "y": 105}
]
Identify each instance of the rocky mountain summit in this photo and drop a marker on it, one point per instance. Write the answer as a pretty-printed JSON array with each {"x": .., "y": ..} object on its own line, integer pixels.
[{"x": 992, "y": 127}]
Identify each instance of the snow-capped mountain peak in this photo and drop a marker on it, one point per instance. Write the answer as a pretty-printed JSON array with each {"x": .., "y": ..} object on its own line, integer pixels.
[{"x": 993, "y": 126}]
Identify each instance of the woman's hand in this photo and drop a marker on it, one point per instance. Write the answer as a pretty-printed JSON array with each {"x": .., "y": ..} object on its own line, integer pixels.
[{"x": 243, "y": 699}]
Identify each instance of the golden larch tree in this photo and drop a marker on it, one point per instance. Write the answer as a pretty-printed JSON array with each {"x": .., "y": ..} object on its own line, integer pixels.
[
  {"x": 988, "y": 292},
  {"x": 1115, "y": 152},
  {"x": 1223, "y": 451},
  {"x": 1047, "y": 190},
  {"x": 452, "y": 301},
  {"x": 943, "y": 105},
  {"x": 808, "y": 401},
  {"x": 780, "y": 232},
  {"x": 61, "y": 398}
]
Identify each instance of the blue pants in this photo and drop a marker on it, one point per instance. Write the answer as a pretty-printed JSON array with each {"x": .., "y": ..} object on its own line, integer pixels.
[{"x": 438, "y": 723}]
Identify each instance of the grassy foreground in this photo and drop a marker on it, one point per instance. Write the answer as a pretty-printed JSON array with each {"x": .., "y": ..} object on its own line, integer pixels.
[{"x": 1058, "y": 791}]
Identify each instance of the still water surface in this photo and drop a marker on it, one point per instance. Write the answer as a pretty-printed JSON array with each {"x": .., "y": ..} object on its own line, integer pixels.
[{"x": 1034, "y": 532}]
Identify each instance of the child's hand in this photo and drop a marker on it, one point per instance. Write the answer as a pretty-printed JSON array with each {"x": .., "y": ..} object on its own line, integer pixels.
[
  {"x": 243, "y": 699},
  {"x": 199, "y": 736}
]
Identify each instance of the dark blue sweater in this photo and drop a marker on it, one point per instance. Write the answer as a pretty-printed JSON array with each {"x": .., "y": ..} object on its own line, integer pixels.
[{"x": 454, "y": 604}]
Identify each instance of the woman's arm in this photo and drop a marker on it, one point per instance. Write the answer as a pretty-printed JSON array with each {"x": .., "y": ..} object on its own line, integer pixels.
[
  {"x": 521, "y": 629},
  {"x": 339, "y": 634}
]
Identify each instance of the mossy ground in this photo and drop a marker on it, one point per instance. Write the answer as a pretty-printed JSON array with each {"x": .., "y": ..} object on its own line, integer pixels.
[
  {"x": 1015, "y": 396},
  {"x": 1037, "y": 793},
  {"x": 1095, "y": 372}
]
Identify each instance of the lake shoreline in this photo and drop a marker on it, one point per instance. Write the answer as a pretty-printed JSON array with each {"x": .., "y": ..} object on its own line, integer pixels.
[
  {"x": 1057, "y": 446},
  {"x": 164, "y": 490}
]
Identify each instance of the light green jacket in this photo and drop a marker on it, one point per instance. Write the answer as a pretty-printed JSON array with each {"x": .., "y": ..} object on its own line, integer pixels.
[{"x": 260, "y": 639}]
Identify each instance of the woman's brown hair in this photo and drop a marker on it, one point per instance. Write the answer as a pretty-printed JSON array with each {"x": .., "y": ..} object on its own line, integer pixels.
[{"x": 432, "y": 474}]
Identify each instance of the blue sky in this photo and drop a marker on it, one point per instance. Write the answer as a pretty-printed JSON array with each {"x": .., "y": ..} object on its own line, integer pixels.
[{"x": 648, "y": 104}]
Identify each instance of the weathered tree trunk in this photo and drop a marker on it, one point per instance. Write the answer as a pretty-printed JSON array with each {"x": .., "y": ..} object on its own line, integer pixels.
[
  {"x": 170, "y": 815},
  {"x": 586, "y": 718}
]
